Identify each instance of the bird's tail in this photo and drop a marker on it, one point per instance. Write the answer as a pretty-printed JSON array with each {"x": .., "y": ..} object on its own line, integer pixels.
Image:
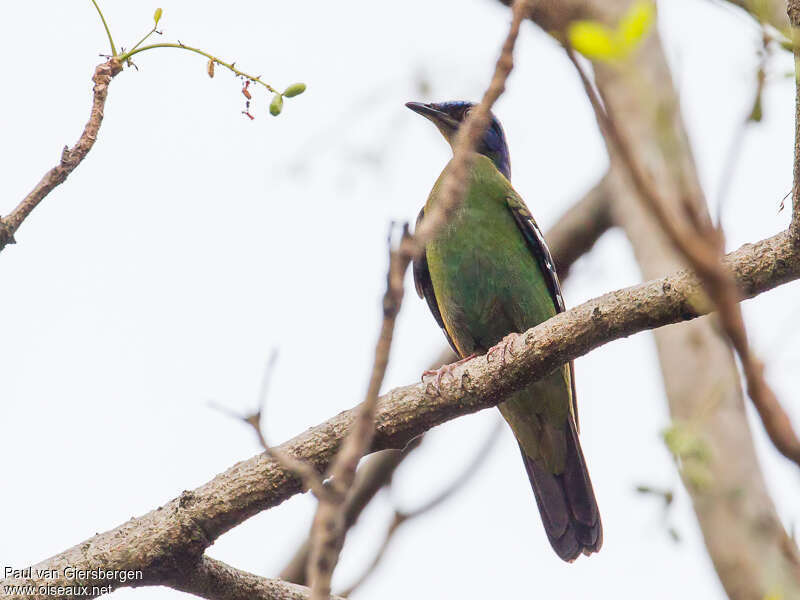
[{"x": 566, "y": 502}]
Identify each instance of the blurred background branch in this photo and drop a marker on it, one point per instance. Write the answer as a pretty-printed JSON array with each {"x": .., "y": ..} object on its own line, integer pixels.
[{"x": 745, "y": 538}]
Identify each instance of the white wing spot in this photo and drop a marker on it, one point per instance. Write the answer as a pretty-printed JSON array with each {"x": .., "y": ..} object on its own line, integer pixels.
[{"x": 548, "y": 261}]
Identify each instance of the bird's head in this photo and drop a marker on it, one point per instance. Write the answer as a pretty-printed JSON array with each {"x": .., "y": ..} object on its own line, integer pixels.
[{"x": 448, "y": 116}]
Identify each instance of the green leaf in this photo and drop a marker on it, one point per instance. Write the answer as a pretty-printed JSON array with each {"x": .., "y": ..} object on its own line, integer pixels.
[
  {"x": 276, "y": 106},
  {"x": 594, "y": 40},
  {"x": 157, "y": 16},
  {"x": 636, "y": 24},
  {"x": 294, "y": 90}
]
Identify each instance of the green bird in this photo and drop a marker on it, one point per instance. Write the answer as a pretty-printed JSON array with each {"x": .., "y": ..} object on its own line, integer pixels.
[{"x": 489, "y": 274}]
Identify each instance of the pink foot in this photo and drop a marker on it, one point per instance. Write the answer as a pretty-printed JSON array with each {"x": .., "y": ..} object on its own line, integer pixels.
[
  {"x": 503, "y": 347},
  {"x": 446, "y": 370}
]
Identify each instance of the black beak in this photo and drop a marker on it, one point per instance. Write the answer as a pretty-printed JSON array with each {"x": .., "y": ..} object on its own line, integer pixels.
[{"x": 442, "y": 120}]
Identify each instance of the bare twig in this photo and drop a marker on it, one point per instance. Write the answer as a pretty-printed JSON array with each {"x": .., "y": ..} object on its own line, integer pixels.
[
  {"x": 328, "y": 529},
  {"x": 398, "y": 519},
  {"x": 70, "y": 157},
  {"x": 371, "y": 477},
  {"x": 400, "y": 516},
  {"x": 465, "y": 476},
  {"x": 161, "y": 541},
  {"x": 703, "y": 245},
  {"x": 454, "y": 186},
  {"x": 311, "y": 479}
]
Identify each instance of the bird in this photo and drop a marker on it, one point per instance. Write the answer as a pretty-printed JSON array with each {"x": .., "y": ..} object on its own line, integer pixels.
[{"x": 487, "y": 275}]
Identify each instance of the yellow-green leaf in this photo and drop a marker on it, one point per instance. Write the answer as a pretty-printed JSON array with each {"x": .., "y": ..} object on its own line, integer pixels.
[
  {"x": 294, "y": 90},
  {"x": 157, "y": 16},
  {"x": 636, "y": 24},
  {"x": 276, "y": 106},
  {"x": 593, "y": 40}
]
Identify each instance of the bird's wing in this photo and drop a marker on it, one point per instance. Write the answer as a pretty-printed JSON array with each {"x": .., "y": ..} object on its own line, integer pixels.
[
  {"x": 538, "y": 247},
  {"x": 424, "y": 285}
]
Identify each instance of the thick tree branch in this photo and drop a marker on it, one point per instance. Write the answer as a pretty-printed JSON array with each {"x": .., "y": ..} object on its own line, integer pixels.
[
  {"x": 179, "y": 532},
  {"x": 70, "y": 157}
]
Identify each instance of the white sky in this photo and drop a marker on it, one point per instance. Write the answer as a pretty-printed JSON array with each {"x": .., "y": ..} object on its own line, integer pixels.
[{"x": 191, "y": 241}]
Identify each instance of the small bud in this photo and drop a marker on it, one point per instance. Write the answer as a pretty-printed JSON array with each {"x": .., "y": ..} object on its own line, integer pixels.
[
  {"x": 157, "y": 16},
  {"x": 211, "y": 68},
  {"x": 276, "y": 106},
  {"x": 758, "y": 112},
  {"x": 294, "y": 90}
]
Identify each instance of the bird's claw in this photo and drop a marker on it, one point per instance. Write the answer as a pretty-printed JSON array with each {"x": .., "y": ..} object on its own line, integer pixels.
[
  {"x": 504, "y": 347},
  {"x": 442, "y": 372}
]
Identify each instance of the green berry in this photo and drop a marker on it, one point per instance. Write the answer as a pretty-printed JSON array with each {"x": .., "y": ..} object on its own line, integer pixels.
[
  {"x": 294, "y": 90},
  {"x": 276, "y": 106}
]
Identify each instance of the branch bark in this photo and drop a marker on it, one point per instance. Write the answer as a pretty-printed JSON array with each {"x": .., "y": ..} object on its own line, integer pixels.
[
  {"x": 70, "y": 157},
  {"x": 215, "y": 580},
  {"x": 178, "y": 533}
]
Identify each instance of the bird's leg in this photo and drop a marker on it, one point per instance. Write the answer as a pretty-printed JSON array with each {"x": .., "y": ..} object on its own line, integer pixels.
[
  {"x": 503, "y": 347},
  {"x": 445, "y": 370}
]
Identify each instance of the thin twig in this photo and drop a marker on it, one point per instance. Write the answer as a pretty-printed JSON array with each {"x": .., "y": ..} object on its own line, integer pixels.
[
  {"x": 454, "y": 186},
  {"x": 703, "y": 245},
  {"x": 375, "y": 474},
  {"x": 328, "y": 529},
  {"x": 400, "y": 516},
  {"x": 70, "y": 157},
  {"x": 230, "y": 66},
  {"x": 305, "y": 472}
]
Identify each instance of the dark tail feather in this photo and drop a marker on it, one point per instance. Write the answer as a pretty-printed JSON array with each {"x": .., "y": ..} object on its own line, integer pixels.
[{"x": 566, "y": 502}]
